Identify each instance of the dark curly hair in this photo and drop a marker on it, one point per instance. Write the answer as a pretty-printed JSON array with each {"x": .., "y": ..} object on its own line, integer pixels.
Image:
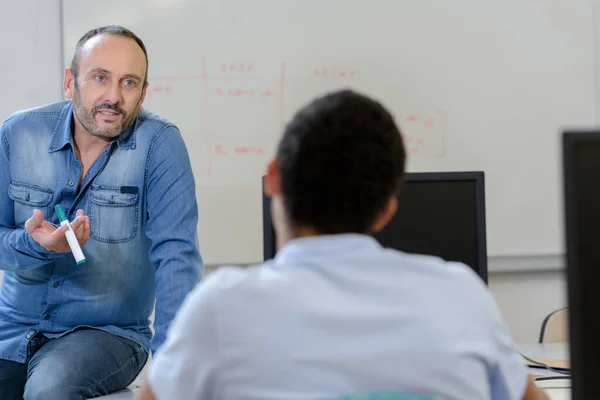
[{"x": 341, "y": 158}]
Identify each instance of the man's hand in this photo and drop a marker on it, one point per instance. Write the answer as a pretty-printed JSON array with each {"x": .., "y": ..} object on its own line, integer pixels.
[{"x": 52, "y": 238}]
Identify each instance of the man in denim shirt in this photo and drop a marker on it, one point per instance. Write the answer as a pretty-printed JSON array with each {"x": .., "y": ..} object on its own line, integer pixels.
[{"x": 124, "y": 178}]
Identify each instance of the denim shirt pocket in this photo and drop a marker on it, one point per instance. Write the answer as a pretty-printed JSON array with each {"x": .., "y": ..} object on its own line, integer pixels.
[
  {"x": 28, "y": 197},
  {"x": 113, "y": 214}
]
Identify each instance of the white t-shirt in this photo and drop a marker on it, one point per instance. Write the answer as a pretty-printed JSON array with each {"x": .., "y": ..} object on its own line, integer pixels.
[{"x": 338, "y": 315}]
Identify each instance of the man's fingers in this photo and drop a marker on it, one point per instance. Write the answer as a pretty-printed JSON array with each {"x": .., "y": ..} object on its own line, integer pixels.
[
  {"x": 36, "y": 219},
  {"x": 56, "y": 237},
  {"x": 79, "y": 213},
  {"x": 86, "y": 230},
  {"x": 82, "y": 229},
  {"x": 76, "y": 224},
  {"x": 60, "y": 230}
]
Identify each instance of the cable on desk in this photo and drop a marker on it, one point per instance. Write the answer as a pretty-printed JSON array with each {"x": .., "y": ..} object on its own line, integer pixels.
[
  {"x": 558, "y": 371},
  {"x": 553, "y": 378},
  {"x": 555, "y": 387}
]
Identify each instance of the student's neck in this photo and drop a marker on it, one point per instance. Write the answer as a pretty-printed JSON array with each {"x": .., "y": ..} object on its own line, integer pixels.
[
  {"x": 287, "y": 234},
  {"x": 305, "y": 231}
]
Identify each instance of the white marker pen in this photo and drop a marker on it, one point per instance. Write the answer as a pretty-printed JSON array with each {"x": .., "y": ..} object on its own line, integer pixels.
[{"x": 71, "y": 238}]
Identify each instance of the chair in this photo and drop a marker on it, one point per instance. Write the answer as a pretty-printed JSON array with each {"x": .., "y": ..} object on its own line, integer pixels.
[
  {"x": 389, "y": 396},
  {"x": 555, "y": 327}
]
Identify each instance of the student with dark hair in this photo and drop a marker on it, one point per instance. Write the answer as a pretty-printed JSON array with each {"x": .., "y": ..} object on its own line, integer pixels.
[{"x": 335, "y": 313}]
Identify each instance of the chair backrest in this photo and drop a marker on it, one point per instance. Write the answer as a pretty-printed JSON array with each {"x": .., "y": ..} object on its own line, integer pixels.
[
  {"x": 389, "y": 396},
  {"x": 555, "y": 327}
]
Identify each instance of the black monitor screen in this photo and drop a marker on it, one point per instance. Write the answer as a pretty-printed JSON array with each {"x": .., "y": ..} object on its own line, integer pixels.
[
  {"x": 440, "y": 214},
  {"x": 582, "y": 202}
]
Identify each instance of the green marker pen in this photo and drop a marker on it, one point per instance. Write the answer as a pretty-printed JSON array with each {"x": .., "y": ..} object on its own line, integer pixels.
[{"x": 71, "y": 238}]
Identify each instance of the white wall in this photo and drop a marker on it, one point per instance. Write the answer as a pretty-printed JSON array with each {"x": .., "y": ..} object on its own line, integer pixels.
[
  {"x": 525, "y": 298},
  {"x": 30, "y": 44}
]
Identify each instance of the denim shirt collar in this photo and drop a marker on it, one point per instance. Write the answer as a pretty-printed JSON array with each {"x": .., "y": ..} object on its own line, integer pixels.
[{"x": 63, "y": 136}]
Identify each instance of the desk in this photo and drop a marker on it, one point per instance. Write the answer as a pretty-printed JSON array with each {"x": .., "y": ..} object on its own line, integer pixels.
[
  {"x": 558, "y": 389},
  {"x": 559, "y": 351}
]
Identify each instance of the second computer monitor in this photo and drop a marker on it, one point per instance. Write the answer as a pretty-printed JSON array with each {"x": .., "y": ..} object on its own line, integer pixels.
[
  {"x": 440, "y": 214},
  {"x": 581, "y": 165}
]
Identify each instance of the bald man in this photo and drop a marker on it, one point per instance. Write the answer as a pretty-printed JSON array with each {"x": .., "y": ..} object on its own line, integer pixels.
[{"x": 72, "y": 330}]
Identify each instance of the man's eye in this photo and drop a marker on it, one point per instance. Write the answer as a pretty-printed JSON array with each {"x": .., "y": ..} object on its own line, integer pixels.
[
  {"x": 100, "y": 78},
  {"x": 129, "y": 83}
]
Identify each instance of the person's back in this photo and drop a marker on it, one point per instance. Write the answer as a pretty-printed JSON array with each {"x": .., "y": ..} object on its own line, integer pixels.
[{"x": 334, "y": 313}]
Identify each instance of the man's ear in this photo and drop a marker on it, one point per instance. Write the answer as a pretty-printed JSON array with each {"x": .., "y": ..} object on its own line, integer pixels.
[
  {"x": 68, "y": 83},
  {"x": 272, "y": 179},
  {"x": 386, "y": 214},
  {"x": 144, "y": 90}
]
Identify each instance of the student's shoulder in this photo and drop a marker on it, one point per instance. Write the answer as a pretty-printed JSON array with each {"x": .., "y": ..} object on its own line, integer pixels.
[
  {"x": 228, "y": 278},
  {"x": 453, "y": 276},
  {"x": 447, "y": 269},
  {"x": 460, "y": 287}
]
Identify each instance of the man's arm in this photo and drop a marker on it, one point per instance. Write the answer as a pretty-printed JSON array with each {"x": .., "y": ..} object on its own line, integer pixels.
[
  {"x": 18, "y": 249},
  {"x": 35, "y": 244},
  {"x": 172, "y": 223}
]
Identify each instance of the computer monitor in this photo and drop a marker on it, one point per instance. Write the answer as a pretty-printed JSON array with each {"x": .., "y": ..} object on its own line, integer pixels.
[
  {"x": 581, "y": 174},
  {"x": 440, "y": 214}
]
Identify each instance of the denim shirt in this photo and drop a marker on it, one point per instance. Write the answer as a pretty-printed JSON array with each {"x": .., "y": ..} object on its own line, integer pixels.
[{"x": 140, "y": 197}]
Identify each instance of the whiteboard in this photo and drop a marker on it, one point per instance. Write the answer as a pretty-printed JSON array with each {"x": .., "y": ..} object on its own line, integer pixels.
[{"x": 474, "y": 85}]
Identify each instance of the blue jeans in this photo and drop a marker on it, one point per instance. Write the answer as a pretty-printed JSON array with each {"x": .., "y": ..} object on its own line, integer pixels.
[{"x": 84, "y": 364}]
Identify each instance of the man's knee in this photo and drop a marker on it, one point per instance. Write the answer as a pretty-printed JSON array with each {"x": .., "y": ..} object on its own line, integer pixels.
[
  {"x": 51, "y": 388},
  {"x": 55, "y": 379}
]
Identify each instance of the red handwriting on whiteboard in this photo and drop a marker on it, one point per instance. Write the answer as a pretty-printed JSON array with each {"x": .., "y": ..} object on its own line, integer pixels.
[
  {"x": 235, "y": 92},
  {"x": 334, "y": 73},
  {"x": 413, "y": 140},
  {"x": 159, "y": 89},
  {"x": 237, "y": 67},
  {"x": 427, "y": 122},
  {"x": 219, "y": 149},
  {"x": 248, "y": 150},
  {"x": 239, "y": 150},
  {"x": 244, "y": 92},
  {"x": 412, "y": 143}
]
